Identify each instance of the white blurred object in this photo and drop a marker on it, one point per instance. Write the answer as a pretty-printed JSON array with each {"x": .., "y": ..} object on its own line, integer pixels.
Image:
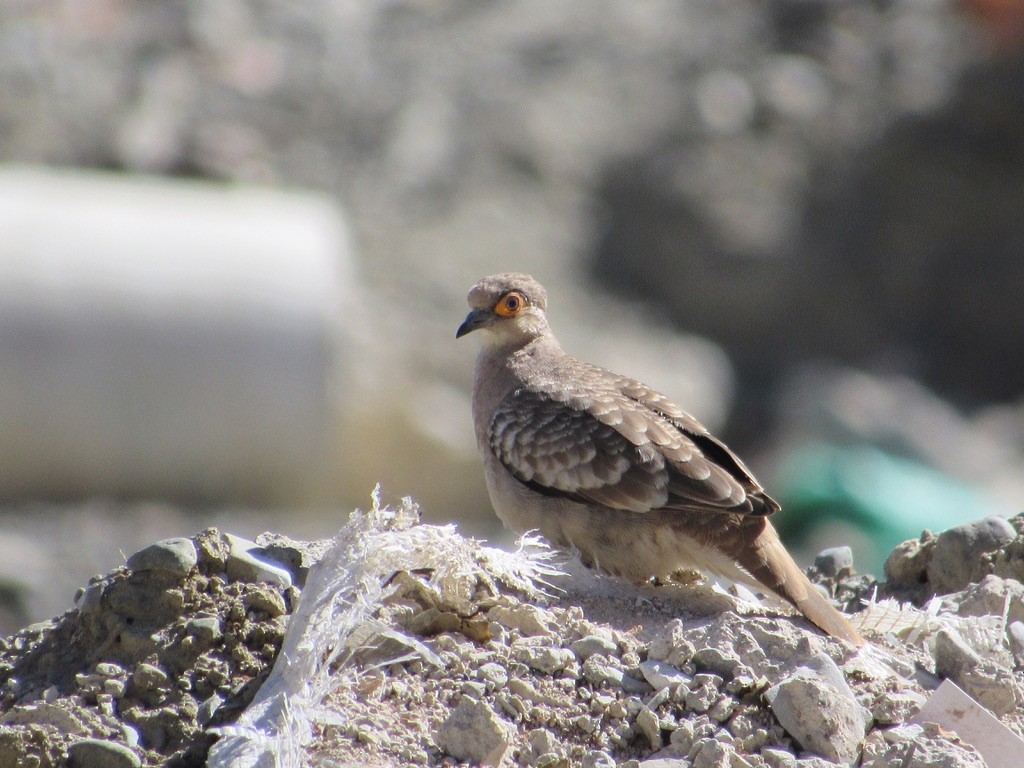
[{"x": 168, "y": 338}]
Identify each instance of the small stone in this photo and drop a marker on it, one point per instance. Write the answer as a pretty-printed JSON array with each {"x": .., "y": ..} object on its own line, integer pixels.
[
  {"x": 894, "y": 707},
  {"x": 97, "y": 753},
  {"x": 712, "y": 753},
  {"x": 473, "y": 690},
  {"x": 988, "y": 683},
  {"x": 907, "y": 564},
  {"x": 958, "y": 557},
  {"x": 1015, "y": 632},
  {"x": 834, "y": 562},
  {"x": 208, "y": 708},
  {"x": 91, "y": 599},
  {"x": 665, "y": 762},
  {"x": 823, "y": 719},
  {"x": 598, "y": 759},
  {"x": 650, "y": 726},
  {"x": 205, "y": 629},
  {"x": 474, "y": 733},
  {"x": 245, "y": 564},
  {"x": 660, "y": 674},
  {"x": 587, "y": 646},
  {"x": 598, "y": 670},
  {"x": 778, "y": 758},
  {"x": 530, "y": 620},
  {"x": 149, "y": 678},
  {"x": 492, "y": 674},
  {"x": 265, "y": 599},
  {"x": 547, "y": 661},
  {"x": 177, "y": 556},
  {"x": 542, "y": 741},
  {"x": 718, "y": 661}
]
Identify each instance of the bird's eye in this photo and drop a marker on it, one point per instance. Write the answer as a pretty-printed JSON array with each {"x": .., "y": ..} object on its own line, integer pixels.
[{"x": 510, "y": 304}]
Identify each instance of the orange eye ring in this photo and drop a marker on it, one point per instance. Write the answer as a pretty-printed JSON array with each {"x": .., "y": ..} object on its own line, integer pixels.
[{"x": 511, "y": 304}]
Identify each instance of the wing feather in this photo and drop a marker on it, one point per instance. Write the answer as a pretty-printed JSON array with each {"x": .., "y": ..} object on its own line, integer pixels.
[{"x": 625, "y": 447}]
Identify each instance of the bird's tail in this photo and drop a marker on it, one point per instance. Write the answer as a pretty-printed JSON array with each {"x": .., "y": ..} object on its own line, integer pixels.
[{"x": 769, "y": 562}]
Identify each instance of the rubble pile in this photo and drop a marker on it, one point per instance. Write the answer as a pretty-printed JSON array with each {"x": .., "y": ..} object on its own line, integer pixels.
[{"x": 475, "y": 670}]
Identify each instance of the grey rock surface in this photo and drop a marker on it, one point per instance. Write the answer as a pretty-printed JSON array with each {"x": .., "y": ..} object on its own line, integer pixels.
[
  {"x": 959, "y": 554},
  {"x": 822, "y": 718},
  {"x": 474, "y": 733},
  {"x": 97, "y": 753},
  {"x": 176, "y": 556}
]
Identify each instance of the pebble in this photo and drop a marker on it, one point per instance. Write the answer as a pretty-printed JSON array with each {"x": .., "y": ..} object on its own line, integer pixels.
[
  {"x": 597, "y": 759},
  {"x": 266, "y": 599},
  {"x": 661, "y": 674},
  {"x": 894, "y": 707},
  {"x": 834, "y": 562},
  {"x": 244, "y": 564},
  {"x": 1015, "y": 633},
  {"x": 474, "y": 733},
  {"x": 598, "y": 670},
  {"x": 908, "y": 562},
  {"x": 177, "y": 556},
  {"x": 956, "y": 560},
  {"x": 822, "y": 718},
  {"x": 205, "y": 629},
  {"x": 208, "y": 708},
  {"x": 97, "y": 753},
  {"x": 528, "y": 619},
  {"x": 492, "y": 674},
  {"x": 587, "y": 646},
  {"x": 547, "y": 661},
  {"x": 149, "y": 677},
  {"x": 650, "y": 726}
]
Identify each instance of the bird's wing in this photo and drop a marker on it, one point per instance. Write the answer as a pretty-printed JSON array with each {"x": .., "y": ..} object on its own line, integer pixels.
[{"x": 624, "y": 447}]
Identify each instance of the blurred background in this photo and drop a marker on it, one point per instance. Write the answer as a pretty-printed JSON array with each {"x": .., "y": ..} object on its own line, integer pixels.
[{"x": 236, "y": 237}]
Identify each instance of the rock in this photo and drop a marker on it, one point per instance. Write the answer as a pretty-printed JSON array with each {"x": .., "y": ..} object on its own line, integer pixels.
[
  {"x": 245, "y": 564},
  {"x": 821, "y": 716},
  {"x": 665, "y": 762},
  {"x": 177, "y": 556},
  {"x": 778, "y": 758},
  {"x": 958, "y": 557},
  {"x": 894, "y": 707},
  {"x": 907, "y": 564},
  {"x": 988, "y": 683},
  {"x": 834, "y": 562},
  {"x": 587, "y": 646},
  {"x": 719, "y": 661},
  {"x": 661, "y": 674},
  {"x": 598, "y": 759},
  {"x": 1015, "y": 633},
  {"x": 97, "y": 753},
  {"x": 600, "y": 670},
  {"x": 988, "y": 597},
  {"x": 493, "y": 675},
  {"x": 266, "y": 599},
  {"x": 914, "y": 746},
  {"x": 208, "y": 708},
  {"x": 712, "y": 753},
  {"x": 474, "y": 733},
  {"x": 547, "y": 661},
  {"x": 650, "y": 726},
  {"x": 205, "y": 630},
  {"x": 528, "y": 619}
]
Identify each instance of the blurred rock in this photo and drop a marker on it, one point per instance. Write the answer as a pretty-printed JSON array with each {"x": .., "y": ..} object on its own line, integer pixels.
[{"x": 959, "y": 554}]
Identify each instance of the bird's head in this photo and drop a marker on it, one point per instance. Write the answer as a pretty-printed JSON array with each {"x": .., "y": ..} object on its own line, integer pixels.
[{"x": 509, "y": 308}]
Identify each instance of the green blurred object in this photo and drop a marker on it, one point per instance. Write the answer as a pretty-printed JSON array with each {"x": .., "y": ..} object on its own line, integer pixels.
[{"x": 884, "y": 498}]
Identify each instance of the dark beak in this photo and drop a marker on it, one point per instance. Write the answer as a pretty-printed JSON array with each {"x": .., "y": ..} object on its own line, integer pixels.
[{"x": 475, "y": 319}]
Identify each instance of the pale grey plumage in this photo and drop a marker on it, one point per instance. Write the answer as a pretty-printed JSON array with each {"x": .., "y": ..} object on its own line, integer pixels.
[{"x": 601, "y": 463}]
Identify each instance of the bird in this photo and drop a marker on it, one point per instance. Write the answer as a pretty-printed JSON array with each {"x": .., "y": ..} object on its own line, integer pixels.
[{"x": 604, "y": 466}]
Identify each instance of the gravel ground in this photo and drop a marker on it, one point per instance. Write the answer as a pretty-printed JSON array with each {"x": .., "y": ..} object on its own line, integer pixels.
[{"x": 176, "y": 643}]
